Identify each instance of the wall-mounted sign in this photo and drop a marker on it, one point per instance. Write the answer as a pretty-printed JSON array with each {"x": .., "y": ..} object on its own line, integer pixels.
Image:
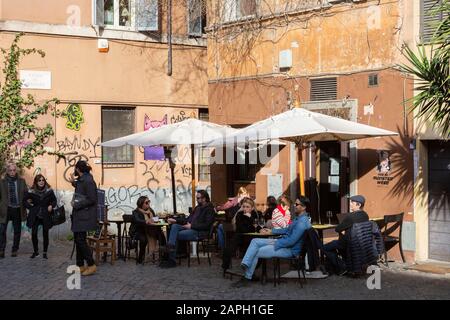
[
  {"x": 36, "y": 79},
  {"x": 275, "y": 185},
  {"x": 384, "y": 168}
]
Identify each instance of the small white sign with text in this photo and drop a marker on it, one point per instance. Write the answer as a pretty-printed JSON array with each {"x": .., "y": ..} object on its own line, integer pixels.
[{"x": 36, "y": 79}]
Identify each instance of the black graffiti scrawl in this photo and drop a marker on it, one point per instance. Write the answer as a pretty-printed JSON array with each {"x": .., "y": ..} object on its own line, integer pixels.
[{"x": 74, "y": 116}]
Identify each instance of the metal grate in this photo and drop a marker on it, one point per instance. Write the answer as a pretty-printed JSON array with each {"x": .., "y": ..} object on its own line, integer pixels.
[
  {"x": 323, "y": 89},
  {"x": 373, "y": 80}
]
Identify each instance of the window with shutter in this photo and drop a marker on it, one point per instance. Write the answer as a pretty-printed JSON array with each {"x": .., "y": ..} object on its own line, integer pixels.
[
  {"x": 236, "y": 9},
  {"x": 429, "y": 21},
  {"x": 147, "y": 15},
  {"x": 141, "y": 15},
  {"x": 196, "y": 17},
  {"x": 323, "y": 89}
]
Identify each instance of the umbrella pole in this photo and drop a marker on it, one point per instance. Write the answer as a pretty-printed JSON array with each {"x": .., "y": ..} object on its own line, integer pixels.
[
  {"x": 300, "y": 170},
  {"x": 174, "y": 194},
  {"x": 193, "y": 175}
]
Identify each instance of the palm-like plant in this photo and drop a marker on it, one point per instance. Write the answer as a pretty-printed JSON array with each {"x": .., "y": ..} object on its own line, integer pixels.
[{"x": 431, "y": 68}]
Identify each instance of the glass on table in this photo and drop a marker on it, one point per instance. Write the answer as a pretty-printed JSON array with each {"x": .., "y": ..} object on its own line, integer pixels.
[{"x": 329, "y": 216}]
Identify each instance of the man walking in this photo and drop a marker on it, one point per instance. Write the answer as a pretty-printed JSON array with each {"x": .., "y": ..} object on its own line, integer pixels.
[{"x": 12, "y": 189}]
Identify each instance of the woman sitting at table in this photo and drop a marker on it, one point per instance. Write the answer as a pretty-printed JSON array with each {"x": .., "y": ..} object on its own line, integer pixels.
[
  {"x": 143, "y": 218},
  {"x": 244, "y": 223},
  {"x": 281, "y": 216}
]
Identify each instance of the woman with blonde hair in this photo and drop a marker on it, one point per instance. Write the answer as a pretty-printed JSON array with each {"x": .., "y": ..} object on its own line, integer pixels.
[{"x": 230, "y": 207}]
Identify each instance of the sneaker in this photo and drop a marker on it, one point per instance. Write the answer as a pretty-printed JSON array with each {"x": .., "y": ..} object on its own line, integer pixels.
[
  {"x": 2, "y": 255},
  {"x": 14, "y": 254},
  {"x": 34, "y": 255},
  {"x": 168, "y": 264},
  {"x": 89, "y": 270},
  {"x": 44, "y": 255},
  {"x": 243, "y": 282}
]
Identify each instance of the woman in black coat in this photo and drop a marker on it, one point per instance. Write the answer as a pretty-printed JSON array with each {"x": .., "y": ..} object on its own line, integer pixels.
[
  {"x": 84, "y": 215},
  {"x": 40, "y": 201},
  {"x": 245, "y": 223},
  {"x": 140, "y": 229}
]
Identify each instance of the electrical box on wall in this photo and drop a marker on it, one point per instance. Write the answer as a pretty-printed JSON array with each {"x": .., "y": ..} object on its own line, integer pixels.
[
  {"x": 103, "y": 45},
  {"x": 285, "y": 59}
]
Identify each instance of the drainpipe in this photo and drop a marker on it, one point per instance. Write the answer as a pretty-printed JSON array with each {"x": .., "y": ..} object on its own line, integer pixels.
[{"x": 169, "y": 37}]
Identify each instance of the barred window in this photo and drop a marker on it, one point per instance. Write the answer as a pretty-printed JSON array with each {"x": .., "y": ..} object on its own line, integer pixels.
[
  {"x": 323, "y": 89},
  {"x": 116, "y": 123}
]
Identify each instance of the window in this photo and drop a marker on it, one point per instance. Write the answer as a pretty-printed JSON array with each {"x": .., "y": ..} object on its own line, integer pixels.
[
  {"x": 197, "y": 17},
  {"x": 429, "y": 22},
  {"x": 111, "y": 117},
  {"x": 141, "y": 15},
  {"x": 244, "y": 170},
  {"x": 236, "y": 9},
  {"x": 373, "y": 80},
  {"x": 323, "y": 89},
  {"x": 204, "y": 168}
]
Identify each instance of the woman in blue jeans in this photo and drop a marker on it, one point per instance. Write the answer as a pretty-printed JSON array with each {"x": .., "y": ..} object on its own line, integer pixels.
[{"x": 289, "y": 245}]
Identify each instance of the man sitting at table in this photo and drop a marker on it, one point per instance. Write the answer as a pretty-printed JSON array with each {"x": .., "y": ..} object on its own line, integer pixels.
[
  {"x": 198, "y": 224},
  {"x": 334, "y": 247},
  {"x": 289, "y": 245}
]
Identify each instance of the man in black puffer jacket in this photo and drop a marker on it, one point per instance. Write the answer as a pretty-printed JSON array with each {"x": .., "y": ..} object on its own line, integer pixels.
[
  {"x": 197, "y": 225},
  {"x": 334, "y": 247}
]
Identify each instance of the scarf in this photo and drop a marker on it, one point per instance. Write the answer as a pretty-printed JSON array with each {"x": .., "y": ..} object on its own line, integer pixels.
[
  {"x": 13, "y": 195},
  {"x": 283, "y": 212},
  {"x": 148, "y": 216}
]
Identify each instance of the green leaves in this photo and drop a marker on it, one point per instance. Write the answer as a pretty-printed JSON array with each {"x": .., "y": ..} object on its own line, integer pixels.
[
  {"x": 430, "y": 66},
  {"x": 20, "y": 139}
]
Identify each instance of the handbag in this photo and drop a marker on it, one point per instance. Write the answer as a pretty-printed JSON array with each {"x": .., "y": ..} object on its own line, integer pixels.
[{"x": 58, "y": 216}]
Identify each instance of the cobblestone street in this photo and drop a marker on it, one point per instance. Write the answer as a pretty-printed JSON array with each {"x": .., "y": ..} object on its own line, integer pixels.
[{"x": 24, "y": 278}]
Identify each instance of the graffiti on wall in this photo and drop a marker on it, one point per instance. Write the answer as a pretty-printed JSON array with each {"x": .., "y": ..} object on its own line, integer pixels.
[
  {"x": 154, "y": 153},
  {"x": 74, "y": 116}
]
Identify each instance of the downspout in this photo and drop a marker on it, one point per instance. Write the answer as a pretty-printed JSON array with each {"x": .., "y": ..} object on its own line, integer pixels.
[{"x": 169, "y": 37}]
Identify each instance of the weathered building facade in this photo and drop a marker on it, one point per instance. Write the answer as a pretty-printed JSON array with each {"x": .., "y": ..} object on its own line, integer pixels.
[
  {"x": 337, "y": 57},
  {"x": 108, "y": 63}
]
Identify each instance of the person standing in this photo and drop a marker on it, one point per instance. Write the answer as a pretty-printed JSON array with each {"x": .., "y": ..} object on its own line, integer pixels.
[
  {"x": 40, "y": 201},
  {"x": 84, "y": 215},
  {"x": 12, "y": 189}
]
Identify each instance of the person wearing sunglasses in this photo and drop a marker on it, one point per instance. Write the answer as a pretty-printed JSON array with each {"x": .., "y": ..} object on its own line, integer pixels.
[
  {"x": 197, "y": 225},
  {"x": 143, "y": 216},
  {"x": 289, "y": 245},
  {"x": 12, "y": 190},
  {"x": 40, "y": 201}
]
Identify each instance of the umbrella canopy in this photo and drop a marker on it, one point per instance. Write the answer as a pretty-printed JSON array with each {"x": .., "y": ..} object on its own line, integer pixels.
[
  {"x": 191, "y": 132},
  {"x": 188, "y": 132},
  {"x": 299, "y": 125}
]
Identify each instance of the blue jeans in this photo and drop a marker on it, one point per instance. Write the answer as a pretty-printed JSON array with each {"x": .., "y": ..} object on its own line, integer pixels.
[
  {"x": 177, "y": 232},
  {"x": 262, "y": 248},
  {"x": 220, "y": 237}
]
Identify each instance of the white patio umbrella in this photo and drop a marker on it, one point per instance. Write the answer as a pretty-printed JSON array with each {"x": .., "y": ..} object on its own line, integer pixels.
[
  {"x": 299, "y": 125},
  {"x": 193, "y": 132}
]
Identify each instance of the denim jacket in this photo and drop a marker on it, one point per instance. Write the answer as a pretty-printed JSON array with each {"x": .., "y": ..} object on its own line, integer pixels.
[{"x": 292, "y": 239}]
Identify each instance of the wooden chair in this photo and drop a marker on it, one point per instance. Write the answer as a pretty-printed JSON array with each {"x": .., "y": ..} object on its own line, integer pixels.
[
  {"x": 391, "y": 224},
  {"x": 128, "y": 219},
  {"x": 102, "y": 243}
]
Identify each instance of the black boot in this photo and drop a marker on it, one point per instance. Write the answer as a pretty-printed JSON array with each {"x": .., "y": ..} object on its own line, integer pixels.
[{"x": 34, "y": 255}]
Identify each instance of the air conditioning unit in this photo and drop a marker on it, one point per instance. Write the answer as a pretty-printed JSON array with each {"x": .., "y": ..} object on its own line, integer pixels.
[{"x": 285, "y": 59}]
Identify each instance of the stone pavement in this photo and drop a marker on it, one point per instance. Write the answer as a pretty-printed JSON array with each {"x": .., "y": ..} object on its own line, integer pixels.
[{"x": 24, "y": 278}]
